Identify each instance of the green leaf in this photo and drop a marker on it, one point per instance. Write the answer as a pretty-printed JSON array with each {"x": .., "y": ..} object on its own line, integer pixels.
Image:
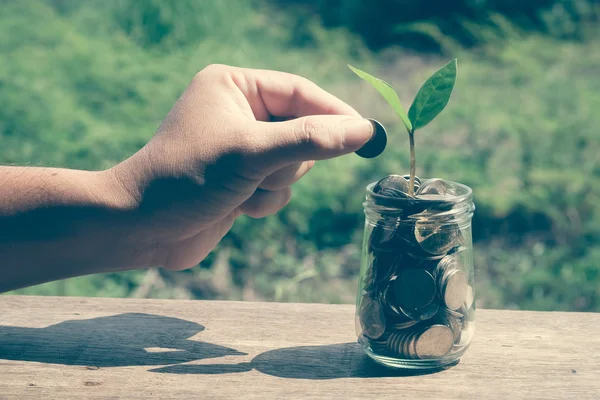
[
  {"x": 433, "y": 96},
  {"x": 388, "y": 93}
]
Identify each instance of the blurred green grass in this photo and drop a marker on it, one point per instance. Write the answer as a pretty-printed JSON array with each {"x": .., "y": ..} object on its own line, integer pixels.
[{"x": 84, "y": 85}]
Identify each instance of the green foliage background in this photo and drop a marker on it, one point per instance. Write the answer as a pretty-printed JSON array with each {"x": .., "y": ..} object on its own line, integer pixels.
[{"x": 85, "y": 84}]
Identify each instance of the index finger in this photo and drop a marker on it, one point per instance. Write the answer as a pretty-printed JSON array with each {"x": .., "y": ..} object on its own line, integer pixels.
[{"x": 280, "y": 94}]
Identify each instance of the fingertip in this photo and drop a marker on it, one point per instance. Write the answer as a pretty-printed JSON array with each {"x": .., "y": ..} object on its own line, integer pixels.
[{"x": 357, "y": 132}]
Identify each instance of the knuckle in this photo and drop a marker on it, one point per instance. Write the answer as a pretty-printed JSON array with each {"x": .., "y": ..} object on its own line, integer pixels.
[
  {"x": 314, "y": 133},
  {"x": 321, "y": 135},
  {"x": 287, "y": 196},
  {"x": 212, "y": 70},
  {"x": 216, "y": 68}
]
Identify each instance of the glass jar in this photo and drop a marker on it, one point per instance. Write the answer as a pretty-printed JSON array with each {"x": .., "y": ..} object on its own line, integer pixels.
[{"x": 415, "y": 304}]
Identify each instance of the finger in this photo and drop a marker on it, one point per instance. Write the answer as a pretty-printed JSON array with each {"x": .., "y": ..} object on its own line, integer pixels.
[
  {"x": 308, "y": 138},
  {"x": 280, "y": 94},
  {"x": 191, "y": 251},
  {"x": 263, "y": 202},
  {"x": 286, "y": 176}
]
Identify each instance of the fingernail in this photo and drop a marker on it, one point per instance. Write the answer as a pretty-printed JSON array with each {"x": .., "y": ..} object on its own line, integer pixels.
[{"x": 357, "y": 131}]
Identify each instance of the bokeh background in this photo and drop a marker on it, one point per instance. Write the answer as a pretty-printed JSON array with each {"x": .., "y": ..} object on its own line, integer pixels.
[{"x": 84, "y": 84}]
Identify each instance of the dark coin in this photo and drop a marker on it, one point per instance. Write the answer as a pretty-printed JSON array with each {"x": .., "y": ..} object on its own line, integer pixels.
[
  {"x": 372, "y": 319},
  {"x": 434, "y": 342},
  {"x": 389, "y": 306},
  {"x": 383, "y": 239},
  {"x": 380, "y": 270},
  {"x": 424, "y": 313},
  {"x": 400, "y": 322},
  {"x": 413, "y": 289},
  {"x": 376, "y": 144},
  {"x": 404, "y": 325}
]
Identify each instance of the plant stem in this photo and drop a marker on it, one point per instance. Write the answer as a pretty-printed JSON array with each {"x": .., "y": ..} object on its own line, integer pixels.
[{"x": 411, "y": 182}]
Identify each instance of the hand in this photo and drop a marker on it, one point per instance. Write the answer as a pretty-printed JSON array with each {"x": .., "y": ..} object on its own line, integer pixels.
[{"x": 217, "y": 155}]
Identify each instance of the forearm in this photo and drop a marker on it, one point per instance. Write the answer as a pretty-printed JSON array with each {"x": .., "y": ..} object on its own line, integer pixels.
[{"x": 60, "y": 223}]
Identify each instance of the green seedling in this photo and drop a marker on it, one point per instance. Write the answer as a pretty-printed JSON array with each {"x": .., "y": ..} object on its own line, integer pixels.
[{"x": 431, "y": 99}]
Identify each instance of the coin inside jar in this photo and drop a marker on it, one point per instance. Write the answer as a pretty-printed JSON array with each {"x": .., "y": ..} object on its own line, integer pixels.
[
  {"x": 382, "y": 239},
  {"x": 454, "y": 289},
  {"x": 436, "y": 341},
  {"x": 393, "y": 186},
  {"x": 413, "y": 289},
  {"x": 381, "y": 269},
  {"x": 452, "y": 282},
  {"x": 422, "y": 314},
  {"x": 372, "y": 318},
  {"x": 435, "y": 238},
  {"x": 449, "y": 320},
  {"x": 432, "y": 186},
  {"x": 417, "y": 180}
]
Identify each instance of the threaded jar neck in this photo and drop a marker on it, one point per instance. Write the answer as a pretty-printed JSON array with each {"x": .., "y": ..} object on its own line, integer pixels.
[{"x": 390, "y": 212}]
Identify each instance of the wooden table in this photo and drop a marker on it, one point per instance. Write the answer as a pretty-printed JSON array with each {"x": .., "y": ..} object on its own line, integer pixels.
[{"x": 60, "y": 347}]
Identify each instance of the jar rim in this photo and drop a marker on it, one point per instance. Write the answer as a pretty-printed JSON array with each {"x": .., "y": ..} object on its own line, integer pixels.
[{"x": 466, "y": 194}]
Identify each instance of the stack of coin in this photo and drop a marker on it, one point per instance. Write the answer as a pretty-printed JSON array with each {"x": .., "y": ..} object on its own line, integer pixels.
[
  {"x": 416, "y": 292},
  {"x": 428, "y": 342}
]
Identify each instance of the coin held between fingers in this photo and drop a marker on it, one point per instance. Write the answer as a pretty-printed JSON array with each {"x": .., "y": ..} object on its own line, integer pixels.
[{"x": 376, "y": 143}]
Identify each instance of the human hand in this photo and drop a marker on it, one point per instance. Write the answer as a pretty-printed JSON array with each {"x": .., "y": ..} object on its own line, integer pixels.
[{"x": 218, "y": 155}]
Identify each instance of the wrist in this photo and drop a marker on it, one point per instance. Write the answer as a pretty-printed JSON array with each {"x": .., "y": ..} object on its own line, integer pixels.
[{"x": 121, "y": 194}]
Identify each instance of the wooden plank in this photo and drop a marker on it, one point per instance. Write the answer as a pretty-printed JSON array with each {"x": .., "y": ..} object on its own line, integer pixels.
[{"x": 57, "y": 347}]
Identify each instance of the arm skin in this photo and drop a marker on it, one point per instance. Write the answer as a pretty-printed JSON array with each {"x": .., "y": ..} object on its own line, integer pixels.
[
  {"x": 216, "y": 155},
  {"x": 59, "y": 223}
]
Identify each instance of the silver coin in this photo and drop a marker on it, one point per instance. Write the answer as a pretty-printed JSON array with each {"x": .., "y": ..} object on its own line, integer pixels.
[
  {"x": 395, "y": 184},
  {"x": 417, "y": 179},
  {"x": 454, "y": 289},
  {"x": 456, "y": 313},
  {"x": 432, "y": 186},
  {"x": 436, "y": 341},
  {"x": 452, "y": 282},
  {"x": 409, "y": 346},
  {"x": 412, "y": 353},
  {"x": 435, "y": 238},
  {"x": 372, "y": 318},
  {"x": 455, "y": 324}
]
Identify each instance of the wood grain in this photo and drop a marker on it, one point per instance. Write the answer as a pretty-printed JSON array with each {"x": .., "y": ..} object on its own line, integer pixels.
[{"x": 61, "y": 347}]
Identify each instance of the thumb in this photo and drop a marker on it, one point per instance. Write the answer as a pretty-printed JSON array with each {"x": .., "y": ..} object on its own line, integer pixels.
[{"x": 315, "y": 137}]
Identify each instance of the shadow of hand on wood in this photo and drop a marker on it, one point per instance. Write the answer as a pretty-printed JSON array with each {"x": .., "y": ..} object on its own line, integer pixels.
[
  {"x": 118, "y": 340},
  {"x": 343, "y": 360}
]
